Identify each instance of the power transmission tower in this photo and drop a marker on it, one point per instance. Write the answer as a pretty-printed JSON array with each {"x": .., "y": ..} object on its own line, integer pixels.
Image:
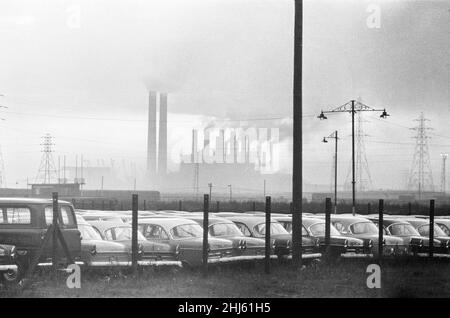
[
  {"x": 443, "y": 182},
  {"x": 361, "y": 165},
  {"x": 47, "y": 170},
  {"x": 421, "y": 176}
]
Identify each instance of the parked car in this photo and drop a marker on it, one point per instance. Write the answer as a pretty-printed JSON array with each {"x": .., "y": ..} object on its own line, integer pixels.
[
  {"x": 97, "y": 252},
  {"x": 8, "y": 266},
  {"x": 444, "y": 224},
  {"x": 367, "y": 231},
  {"x": 255, "y": 226},
  {"x": 186, "y": 237},
  {"x": 246, "y": 248},
  {"x": 24, "y": 223},
  {"x": 339, "y": 244},
  {"x": 153, "y": 253},
  {"x": 423, "y": 227},
  {"x": 400, "y": 228}
]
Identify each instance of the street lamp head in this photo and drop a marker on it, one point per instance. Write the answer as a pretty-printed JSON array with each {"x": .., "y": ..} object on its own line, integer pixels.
[
  {"x": 322, "y": 116},
  {"x": 324, "y": 140},
  {"x": 384, "y": 114}
]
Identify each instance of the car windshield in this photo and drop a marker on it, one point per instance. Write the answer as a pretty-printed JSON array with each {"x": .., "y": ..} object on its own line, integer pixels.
[
  {"x": 225, "y": 229},
  {"x": 364, "y": 228},
  {"x": 424, "y": 230},
  {"x": 402, "y": 229},
  {"x": 275, "y": 228},
  {"x": 186, "y": 231},
  {"x": 88, "y": 232},
  {"x": 124, "y": 233},
  {"x": 318, "y": 229}
]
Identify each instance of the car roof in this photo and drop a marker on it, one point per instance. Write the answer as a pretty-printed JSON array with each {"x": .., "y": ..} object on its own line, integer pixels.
[
  {"x": 29, "y": 201},
  {"x": 167, "y": 222},
  {"x": 310, "y": 221},
  {"x": 348, "y": 218},
  {"x": 104, "y": 225},
  {"x": 212, "y": 220},
  {"x": 250, "y": 220}
]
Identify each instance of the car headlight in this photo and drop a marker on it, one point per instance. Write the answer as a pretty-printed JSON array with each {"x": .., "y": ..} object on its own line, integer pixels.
[
  {"x": 346, "y": 243},
  {"x": 177, "y": 250},
  {"x": 370, "y": 244}
]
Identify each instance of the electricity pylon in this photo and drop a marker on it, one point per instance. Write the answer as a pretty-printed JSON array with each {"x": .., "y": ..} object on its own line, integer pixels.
[
  {"x": 47, "y": 170},
  {"x": 421, "y": 176}
]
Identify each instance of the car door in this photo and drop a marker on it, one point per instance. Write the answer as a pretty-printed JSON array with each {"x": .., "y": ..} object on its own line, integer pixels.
[
  {"x": 156, "y": 233},
  {"x": 68, "y": 227}
]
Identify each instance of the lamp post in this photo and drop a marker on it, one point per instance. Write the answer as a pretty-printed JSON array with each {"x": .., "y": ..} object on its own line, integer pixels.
[
  {"x": 325, "y": 139},
  {"x": 353, "y": 107}
]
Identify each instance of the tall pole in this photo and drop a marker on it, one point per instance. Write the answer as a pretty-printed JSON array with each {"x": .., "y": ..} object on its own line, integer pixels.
[
  {"x": 297, "y": 191},
  {"x": 353, "y": 160},
  {"x": 231, "y": 197},
  {"x": 335, "y": 170}
]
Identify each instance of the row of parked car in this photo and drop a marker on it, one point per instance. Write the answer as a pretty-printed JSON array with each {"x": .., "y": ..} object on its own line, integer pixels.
[{"x": 175, "y": 238}]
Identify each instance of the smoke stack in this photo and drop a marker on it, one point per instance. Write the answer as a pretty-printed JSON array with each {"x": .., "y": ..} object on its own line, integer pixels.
[
  {"x": 162, "y": 152},
  {"x": 205, "y": 144},
  {"x": 151, "y": 137},
  {"x": 194, "y": 146}
]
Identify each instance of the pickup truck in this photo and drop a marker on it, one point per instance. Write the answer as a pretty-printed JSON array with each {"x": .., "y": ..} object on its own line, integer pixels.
[{"x": 24, "y": 223}]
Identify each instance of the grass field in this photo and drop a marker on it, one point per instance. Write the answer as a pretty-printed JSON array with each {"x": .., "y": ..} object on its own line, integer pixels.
[{"x": 347, "y": 278}]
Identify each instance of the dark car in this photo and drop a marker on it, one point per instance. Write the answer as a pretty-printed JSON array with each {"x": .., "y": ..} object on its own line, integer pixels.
[
  {"x": 339, "y": 244},
  {"x": 153, "y": 253},
  {"x": 423, "y": 227},
  {"x": 8, "y": 267},
  {"x": 97, "y": 252},
  {"x": 24, "y": 223},
  {"x": 366, "y": 230},
  {"x": 244, "y": 247},
  {"x": 186, "y": 237},
  {"x": 398, "y": 227},
  {"x": 255, "y": 226}
]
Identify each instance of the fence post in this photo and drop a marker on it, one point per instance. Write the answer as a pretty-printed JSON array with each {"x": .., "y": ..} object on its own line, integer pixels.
[
  {"x": 145, "y": 205},
  {"x": 369, "y": 210},
  {"x": 218, "y": 206},
  {"x": 54, "y": 237},
  {"x": 254, "y": 206},
  {"x": 205, "y": 233},
  {"x": 73, "y": 203},
  {"x": 327, "y": 225},
  {"x": 267, "y": 236},
  {"x": 409, "y": 208},
  {"x": 431, "y": 231},
  {"x": 380, "y": 228},
  {"x": 134, "y": 234},
  {"x": 180, "y": 205}
]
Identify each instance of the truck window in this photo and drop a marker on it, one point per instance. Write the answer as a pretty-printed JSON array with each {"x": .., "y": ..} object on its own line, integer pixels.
[{"x": 15, "y": 216}]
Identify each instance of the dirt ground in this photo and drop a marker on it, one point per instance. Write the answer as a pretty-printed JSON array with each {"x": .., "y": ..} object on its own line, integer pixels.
[{"x": 346, "y": 278}]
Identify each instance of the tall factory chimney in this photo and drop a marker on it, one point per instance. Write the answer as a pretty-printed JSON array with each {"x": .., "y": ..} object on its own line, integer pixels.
[
  {"x": 151, "y": 137},
  {"x": 194, "y": 146},
  {"x": 162, "y": 145}
]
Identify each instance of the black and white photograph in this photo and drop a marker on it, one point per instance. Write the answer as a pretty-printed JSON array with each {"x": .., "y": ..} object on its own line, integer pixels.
[{"x": 224, "y": 154}]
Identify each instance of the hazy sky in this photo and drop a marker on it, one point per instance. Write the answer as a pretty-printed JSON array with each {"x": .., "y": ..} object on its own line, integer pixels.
[{"x": 80, "y": 71}]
